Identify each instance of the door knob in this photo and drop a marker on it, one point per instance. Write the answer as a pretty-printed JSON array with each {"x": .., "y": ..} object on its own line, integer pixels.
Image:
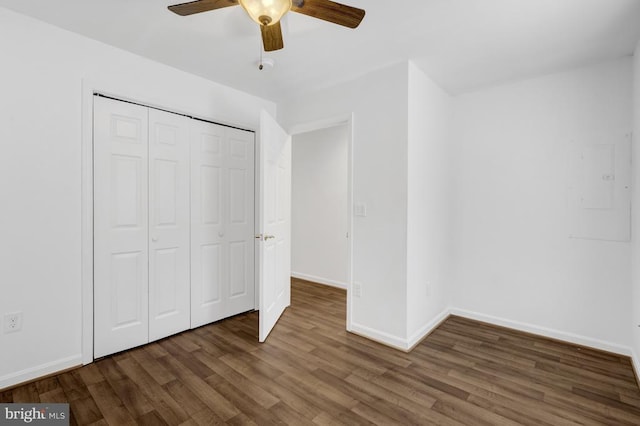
[
  {"x": 154, "y": 239},
  {"x": 220, "y": 234},
  {"x": 264, "y": 237}
]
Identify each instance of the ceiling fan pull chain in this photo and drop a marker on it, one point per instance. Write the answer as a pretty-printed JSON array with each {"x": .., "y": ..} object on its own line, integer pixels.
[{"x": 261, "y": 65}]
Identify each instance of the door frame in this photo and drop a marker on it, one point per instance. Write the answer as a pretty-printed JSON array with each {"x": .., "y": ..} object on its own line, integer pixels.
[
  {"x": 326, "y": 123},
  {"x": 127, "y": 94}
]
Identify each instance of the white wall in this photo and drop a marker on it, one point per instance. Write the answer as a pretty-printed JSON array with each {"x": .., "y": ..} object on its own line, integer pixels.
[
  {"x": 635, "y": 225},
  {"x": 511, "y": 259},
  {"x": 514, "y": 262},
  {"x": 379, "y": 105},
  {"x": 429, "y": 247},
  {"x": 319, "y": 246},
  {"x": 43, "y": 69}
]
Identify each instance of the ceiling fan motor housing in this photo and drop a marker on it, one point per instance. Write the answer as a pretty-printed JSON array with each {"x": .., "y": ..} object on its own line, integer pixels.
[{"x": 266, "y": 12}]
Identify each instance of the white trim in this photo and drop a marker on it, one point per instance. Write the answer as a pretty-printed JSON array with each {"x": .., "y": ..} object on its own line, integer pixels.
[
  {"x": 423, "y": 332},
  {"x": 350, "y": 142},
  {"x": 87, "y": 222},
  {"x": 379, "y": 336},
  {"x": 39, "y": 371},
  {"x": 321, "y": 124},
  {"x": 339, "y": 120},
  {"x": 546, "y": 332},
  {"x": 257, "y": 214},
  {"x": 319, "y": 280},
  {"x": 571, "y": 338},
  {"x": 405, "y": 345},
  {"x": 635, "y": 363}
]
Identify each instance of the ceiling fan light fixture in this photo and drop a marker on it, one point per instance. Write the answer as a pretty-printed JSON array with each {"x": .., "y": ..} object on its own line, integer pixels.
[{"x": 266, "y": 12}]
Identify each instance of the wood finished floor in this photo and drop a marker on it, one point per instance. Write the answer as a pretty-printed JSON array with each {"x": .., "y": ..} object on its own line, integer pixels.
[{"x": 311, "y": 371}]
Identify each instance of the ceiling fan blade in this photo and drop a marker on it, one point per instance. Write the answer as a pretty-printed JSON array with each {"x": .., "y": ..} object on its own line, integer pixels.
[
  {"x": 199, "y": 6},
  {"x": 327, "y": 10},
  {"x": 272, "y": 37}
]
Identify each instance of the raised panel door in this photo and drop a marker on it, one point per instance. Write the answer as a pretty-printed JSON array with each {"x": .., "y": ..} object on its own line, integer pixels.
[
  {"x": 169, "y": 224},
  {"x": 120, "y": 226},
  {"x": 275, "y": 223},
  {"x": 222, "y": 222}
]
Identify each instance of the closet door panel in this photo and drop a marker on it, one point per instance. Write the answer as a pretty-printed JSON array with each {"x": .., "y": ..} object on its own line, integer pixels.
[
  {"x": 209, "y": 253},
  {"x": 240, "y": 226},
  {"x": 222, "y": 230},
  {"x": 120, "y": 226},
  {"x": 169, "y": 224}
]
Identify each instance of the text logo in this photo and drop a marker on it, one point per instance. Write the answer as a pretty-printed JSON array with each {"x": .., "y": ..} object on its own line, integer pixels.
[{"x": 34, "y": 414}]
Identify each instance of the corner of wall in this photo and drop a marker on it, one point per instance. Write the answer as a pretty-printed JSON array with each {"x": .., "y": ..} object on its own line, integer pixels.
[
  {"x": 414, "y": 339},
  {"x": 635, "y": 363},
  {"x": 635, "y": 218},
  {"x": 428, "y": 207},
  {"x": 387, "y": 339}
]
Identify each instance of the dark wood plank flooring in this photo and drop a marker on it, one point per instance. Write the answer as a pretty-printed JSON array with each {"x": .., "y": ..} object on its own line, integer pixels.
[{"x": 311, "y": 371}]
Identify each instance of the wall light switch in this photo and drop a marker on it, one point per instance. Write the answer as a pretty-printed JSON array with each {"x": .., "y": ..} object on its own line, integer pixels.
[
  {"x": 360, "y": 210},
  {"x": 357, "y": 289}
]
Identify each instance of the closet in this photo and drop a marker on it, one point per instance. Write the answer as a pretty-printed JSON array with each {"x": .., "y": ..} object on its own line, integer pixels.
[{"x": 173, "y": 224}]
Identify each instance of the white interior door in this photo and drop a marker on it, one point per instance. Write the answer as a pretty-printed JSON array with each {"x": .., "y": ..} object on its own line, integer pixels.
[
  {"x": 169, "y": 224},
  {"x": 222, "y": 222},
  {"x": 275, "y": 223},
  {"x": 120, "y": 226}
]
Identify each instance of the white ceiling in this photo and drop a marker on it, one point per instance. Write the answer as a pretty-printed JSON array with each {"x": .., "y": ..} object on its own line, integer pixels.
[{"x": 461, "y": 44}]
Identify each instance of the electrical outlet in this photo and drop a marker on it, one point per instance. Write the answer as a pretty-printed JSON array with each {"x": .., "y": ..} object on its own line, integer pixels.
[
  {"x": 357, "y": 289},
  {"x": 12, "y": 322}
]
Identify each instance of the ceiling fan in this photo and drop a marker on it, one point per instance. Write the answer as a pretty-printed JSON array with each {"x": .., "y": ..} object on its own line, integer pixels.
[{"x": 267, "y": 13}]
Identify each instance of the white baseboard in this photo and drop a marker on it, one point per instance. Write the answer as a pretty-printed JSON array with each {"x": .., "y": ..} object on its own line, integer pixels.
[
  {"x": 397, "y": 342},
  {"x": 319, "y": 280},
  {"x": 40, "y": 371},
  {"x": 387, "y": 339},
  {"x": 635, "y": 361},
  {"x": 546, "y": 332},
  {"x": 425, "y": 330},
  {"x": 379, "y": 336}
]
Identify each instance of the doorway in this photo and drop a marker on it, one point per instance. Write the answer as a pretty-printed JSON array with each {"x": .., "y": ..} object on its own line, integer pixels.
[{"x": 321, "y": 204}]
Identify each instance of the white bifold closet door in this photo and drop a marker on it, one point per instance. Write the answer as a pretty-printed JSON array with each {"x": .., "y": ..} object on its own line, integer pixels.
[
  {"x": 169, "y": 224},
  {"x": 141, "y": 225},
  {"x": 222, "y": 222}
]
